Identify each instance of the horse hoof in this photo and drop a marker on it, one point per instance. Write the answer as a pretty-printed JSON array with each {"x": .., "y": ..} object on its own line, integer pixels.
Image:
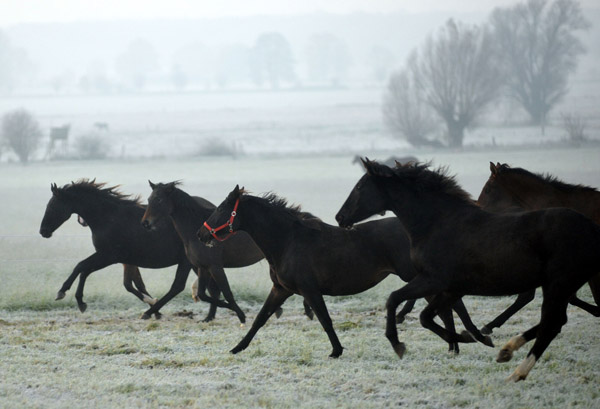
[
  {"x": 82, "y": 307},
  {"x": 336, "y": 354},
  {"x": 208, "y": 319},
  {"x": 504, "y": 355},
  {"x": 157, "y": 315},
  {"x": 145, "y": 316},
  {"x": 485, "y": 330},
  {"x": 466, "y": 337},
  {"x": 400, "y": 349},
  {"x": 278, "y": 312},
  {"x": 487, "y": 340},
  {"x": 242, "y": 318},
  {"x": 60, "y": 295},
  {"x": 515, "y": 377},
  {"x": 237, "y": 349}
]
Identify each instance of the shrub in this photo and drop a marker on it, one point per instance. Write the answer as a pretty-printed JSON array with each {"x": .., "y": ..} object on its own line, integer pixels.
[
  {"x": 91, "y": 146},
  {"x": 216, "y": 147},
  {"x": 575, "y": 126},
  {"x": 21, "y": 132}
]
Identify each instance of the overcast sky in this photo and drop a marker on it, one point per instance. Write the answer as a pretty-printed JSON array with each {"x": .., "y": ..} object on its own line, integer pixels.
[{"x": 21, "y": 11}]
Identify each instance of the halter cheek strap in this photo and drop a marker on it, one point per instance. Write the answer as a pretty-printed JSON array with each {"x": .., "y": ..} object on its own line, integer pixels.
[{"x": 229, "y": 224}]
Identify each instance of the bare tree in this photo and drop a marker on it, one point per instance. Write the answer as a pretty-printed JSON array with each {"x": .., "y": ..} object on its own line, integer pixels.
[
  {"x": 458, "y": 75},
  {"x": 21, "y": 132},
  {"x": 272, "y": 59},
  {"x": 539, "y": 50},
  {"x": 404, "y": 112}
]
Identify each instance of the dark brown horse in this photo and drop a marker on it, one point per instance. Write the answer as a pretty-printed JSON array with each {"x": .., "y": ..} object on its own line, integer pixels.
[
  {"x": 167, "y": 203},
  {"x": 312, "y": 259},
  {"x": 518, "y": 189},
  {"x": 460, "y": 249},
  {"x": 118, "y": 237}
]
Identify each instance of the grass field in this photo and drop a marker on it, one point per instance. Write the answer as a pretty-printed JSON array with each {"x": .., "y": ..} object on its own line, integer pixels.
[{"x": 51, "y": 355}]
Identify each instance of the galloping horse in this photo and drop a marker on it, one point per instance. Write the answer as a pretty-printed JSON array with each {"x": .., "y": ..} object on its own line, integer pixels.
[
  {"x": 118, "y": 237},
  {"x": 311, "y": 258},
  {"x": 460, "y": 249},
  {"x": 518, "y": 189}
]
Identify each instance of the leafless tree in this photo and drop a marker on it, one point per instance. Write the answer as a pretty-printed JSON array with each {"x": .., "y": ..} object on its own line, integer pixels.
[
  {"x": 272, "y": 59},
  {"x": 405, "y": 113},
  {"x": 539, "y": 50},
  {"x": 21, "y": 132},
  {"x": 136, "y": 62},
  {"x": 457, "y": 73}
]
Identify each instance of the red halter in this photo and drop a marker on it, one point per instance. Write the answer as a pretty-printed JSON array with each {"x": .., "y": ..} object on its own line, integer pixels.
[{"x": 229, "y": 223}]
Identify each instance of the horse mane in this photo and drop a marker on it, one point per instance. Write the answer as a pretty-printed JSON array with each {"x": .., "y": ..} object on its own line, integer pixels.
[
  {"x": 545, "y": 178},
  {"x": 426, "y": 179},
  {"x": 84, "y": 185},
  {"x": 278, "y": 203}
]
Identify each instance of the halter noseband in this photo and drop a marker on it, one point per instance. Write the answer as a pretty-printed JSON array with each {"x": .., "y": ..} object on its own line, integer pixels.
[{"x": 229, "y": 223}]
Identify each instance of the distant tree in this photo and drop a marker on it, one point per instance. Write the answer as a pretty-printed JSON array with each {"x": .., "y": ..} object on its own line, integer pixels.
[
  {"x": 380, "y": 61},
  {"x": 136, "y": 62},
  {"x": 457, "y": 73},
  {"x": 405, "y": 112},
  {"x": 272, "y": 60},
  {"x": 21, "y": 132},
  {"x": 539, "y": 50},
  {"x": 327, "y": 58},
  {"x": 15, "y": 65}
]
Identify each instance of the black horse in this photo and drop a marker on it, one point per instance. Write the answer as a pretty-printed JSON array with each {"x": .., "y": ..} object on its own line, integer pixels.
[
  {"x": 169, "y": 203},
  {"x": 460, "y": 249},
  {"x": 118, "y": 237},
  {"x": 311, "y": 258},
  {"x": 516, "y": 189}
]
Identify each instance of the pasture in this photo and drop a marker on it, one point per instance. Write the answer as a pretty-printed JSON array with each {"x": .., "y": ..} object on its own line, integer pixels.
[{"x": 53, "y": 356}]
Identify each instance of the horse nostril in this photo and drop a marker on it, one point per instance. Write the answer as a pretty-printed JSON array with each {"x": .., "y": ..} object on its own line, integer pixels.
[{"x": 146, "y": 224}]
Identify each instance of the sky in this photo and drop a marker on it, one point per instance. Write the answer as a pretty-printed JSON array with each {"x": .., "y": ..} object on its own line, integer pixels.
[{"x": 24, "y": 11}]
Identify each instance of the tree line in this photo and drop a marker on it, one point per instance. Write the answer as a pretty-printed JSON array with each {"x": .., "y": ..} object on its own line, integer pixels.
[{"x": 524, "y": 52}]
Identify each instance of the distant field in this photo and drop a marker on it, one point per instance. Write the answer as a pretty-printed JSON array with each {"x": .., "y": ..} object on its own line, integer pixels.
[{"x": 54, "y": 356}]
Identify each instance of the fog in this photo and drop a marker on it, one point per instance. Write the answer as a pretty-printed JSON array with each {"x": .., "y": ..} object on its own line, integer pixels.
[{"x": 162, "y": 81}]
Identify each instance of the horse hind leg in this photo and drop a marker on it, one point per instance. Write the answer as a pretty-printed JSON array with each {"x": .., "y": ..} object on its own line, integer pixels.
[
  {"x": 131, "y": 278},
  {"x": 408, "y": 307},
  {"x": 522, "y": 300},
  {"x": 554, "y": 316},
  {"x": 317, "y": 303},
  {"x": 215, "y": 293}
]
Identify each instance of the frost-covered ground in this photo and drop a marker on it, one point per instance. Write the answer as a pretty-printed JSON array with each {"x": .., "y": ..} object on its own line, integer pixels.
[{"x": 51, "y": 355}]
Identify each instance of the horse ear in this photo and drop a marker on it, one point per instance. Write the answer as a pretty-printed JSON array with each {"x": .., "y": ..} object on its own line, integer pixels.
[
  {"x": 494, "y": 168},
  {"x": 366, "y": 164},
  {"x": 152, "y": 185},
  {"x": 236, "y": 191},
  {"x": 53, "y": 188}
]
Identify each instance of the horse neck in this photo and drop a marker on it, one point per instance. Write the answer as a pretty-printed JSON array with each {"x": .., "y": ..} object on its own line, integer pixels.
[
  {"x": 421, "y": 214},
  {"x": 265, "y": 225},
  {"x": 187, "y": 215},
  {"x": 93, "y": 208}
]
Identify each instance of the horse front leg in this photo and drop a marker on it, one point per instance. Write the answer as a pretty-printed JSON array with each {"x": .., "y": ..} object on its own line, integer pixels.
[
  {"x": 276, "y": 298},
  {"x": 181, "y": 275},
  {"x": 93, "y": 263},
  {"x": 317, "y": 303},
  {"x": 419, "y": 287},
  {"x": 218, "y": 274},
  {"x": 214, "y": 291}
]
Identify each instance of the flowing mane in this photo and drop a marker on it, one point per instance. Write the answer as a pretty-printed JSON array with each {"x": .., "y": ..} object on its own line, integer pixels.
[
  {"x": 275, "y": 202},
  {"x": 424, "y": 179},
  {"x": 83, "y": 186},
  {"x": 545, "y": 178}
]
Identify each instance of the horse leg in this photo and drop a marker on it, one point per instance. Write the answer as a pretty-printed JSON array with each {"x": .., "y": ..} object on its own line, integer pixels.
[
  {"x": 276, "y": 298},
  {"x": 554, "y": 316},
  {"x": 592, "y": 309},
  {"x": 440, "y": 305},
  {"x": 420, "y": 286},
  {"x": 218, "y": 274},
  {"x": 522, "y": 300},
  {"x": 84, "y": 268},
  {"x": 131, "y": 277},
  {"x": 464, "y": 316},
  {"x": 408, "y": 307},
  {"x": 515, "y": 343},
  {"x": 448, "y": 320},
  {"x": 215, "y": 293},
  {"x": 317, "y": 303},
  {"x": 181, "y": 275},
  {"x": 307, "y": 310}
]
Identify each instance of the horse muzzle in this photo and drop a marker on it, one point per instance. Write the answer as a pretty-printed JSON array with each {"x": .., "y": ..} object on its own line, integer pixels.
[{"x": 46, "y": 233}]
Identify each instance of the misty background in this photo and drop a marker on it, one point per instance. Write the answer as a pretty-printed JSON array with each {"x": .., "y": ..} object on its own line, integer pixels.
[{"x": 307, "y": 82}]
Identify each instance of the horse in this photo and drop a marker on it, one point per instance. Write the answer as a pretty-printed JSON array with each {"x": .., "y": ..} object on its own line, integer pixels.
[
  {"x": 518, "y": 189},
  {"x": 169, "y": 203},
  {"x": 460, "y": 249},
  {"x": 117, "y": 235},
  {"x": 132, "y": 278},
  {"x": 311, "y": 258},
  {"x": 392, "y": 160}
]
